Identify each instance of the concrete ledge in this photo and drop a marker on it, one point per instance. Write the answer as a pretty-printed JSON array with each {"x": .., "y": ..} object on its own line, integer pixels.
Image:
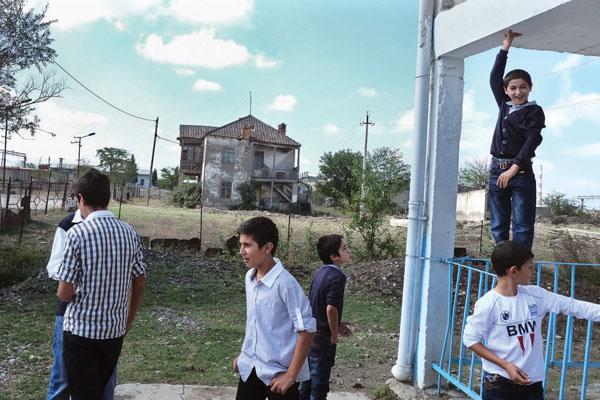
[
  {"x": 408, "y": 391},
  {"x": 138, "y": 391}
]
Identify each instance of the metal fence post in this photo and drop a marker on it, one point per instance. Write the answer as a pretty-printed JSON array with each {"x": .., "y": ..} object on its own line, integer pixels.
[
  {"x": 64, "y": 198},
  {"x": 48, "y": 192},
  {"x": 201, "y": 212}
]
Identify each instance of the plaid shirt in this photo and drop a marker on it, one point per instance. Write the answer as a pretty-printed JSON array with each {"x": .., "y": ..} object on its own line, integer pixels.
[{"x": 102, "y": 256}]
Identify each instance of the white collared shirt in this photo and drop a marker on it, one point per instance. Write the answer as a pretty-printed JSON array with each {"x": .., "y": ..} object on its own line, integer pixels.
[
  {"x": 276, "y": 310},
  {"x": 58, "y": 244},
  {"x": 102, "y": 256}
]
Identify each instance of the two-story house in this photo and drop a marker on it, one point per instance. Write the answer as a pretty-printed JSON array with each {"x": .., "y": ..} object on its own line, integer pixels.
[{"x": 246, "y": 150}]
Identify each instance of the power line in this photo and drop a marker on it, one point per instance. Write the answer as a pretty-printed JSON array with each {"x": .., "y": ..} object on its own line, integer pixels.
[
  {"x": 167, "y": 140},
  {"x": 98, "y": 96}
]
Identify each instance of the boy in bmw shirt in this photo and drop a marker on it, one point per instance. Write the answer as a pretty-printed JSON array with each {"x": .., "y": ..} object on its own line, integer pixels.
[{"x": 509, "y": 319}]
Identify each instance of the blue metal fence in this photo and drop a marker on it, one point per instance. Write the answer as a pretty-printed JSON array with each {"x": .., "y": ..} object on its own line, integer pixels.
[{"x": 469, "y": 279}]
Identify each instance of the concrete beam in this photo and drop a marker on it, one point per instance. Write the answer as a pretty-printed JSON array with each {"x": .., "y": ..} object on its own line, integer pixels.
[
  {"x": 442, "y": 185},
  {"x": 475, "y": 26}
]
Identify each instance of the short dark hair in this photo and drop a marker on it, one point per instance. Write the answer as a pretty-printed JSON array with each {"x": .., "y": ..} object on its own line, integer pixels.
[
  {"x": 94, "y": 186},
  {"x": 517, "y": 74},
  {"x": 509, "y": 253},
  {"x": 327, "y": 246},
  {"x": 263, "y": 230}
]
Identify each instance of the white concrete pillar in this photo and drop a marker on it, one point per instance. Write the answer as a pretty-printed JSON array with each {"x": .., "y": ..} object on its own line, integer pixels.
[{"x": 441, "y": 190}]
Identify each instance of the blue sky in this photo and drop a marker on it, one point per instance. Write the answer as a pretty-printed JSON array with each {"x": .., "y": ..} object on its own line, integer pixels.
[{"x": 317, "y": 66}]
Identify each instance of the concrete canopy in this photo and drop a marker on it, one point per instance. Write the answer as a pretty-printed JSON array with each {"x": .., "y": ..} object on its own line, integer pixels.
[{"x": 474, "y": 26}]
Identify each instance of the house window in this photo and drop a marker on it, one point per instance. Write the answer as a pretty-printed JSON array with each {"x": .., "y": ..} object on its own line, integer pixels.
[
  {"x": 184, "y": 153},
  {"x": 225, "y": 190},
  {"x": 227, "y": 156}
]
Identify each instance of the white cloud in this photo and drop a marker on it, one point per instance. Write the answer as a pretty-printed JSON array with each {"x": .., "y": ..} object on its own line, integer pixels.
[
  {"x": 74, "y": 13},
  {"x": 202, "y": 85},
  {"x": 331, "y": 129},
  {"x": 586, "y": 150},
  {"x": 263, "y": 62},
  {"x": 283, "y": 102},
  {"x": 560, "y": 115},
  {"x": 569, "y": 62},
  {"x": 119, "y": 25},
  {"x": 184, "y": 71},
  {"x": 210, "y": 12},
  {"x": 405, "y": 122},
  {"x": 200, "y": 49},
  {"x": 367, "y": 91},
  {"x": 65, "y": 123},
  {"x": 305, "y": 161}
]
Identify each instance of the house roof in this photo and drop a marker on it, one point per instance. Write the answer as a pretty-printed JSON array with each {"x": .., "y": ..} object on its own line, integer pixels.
[
  {"x": 262, "y": 132},
  {"x": 195, "y": 131}
]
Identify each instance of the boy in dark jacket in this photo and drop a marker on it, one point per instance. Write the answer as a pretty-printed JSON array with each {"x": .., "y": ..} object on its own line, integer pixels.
[
  {"x": 512, "y": 186},
  {"x": 327, "y": 303}
]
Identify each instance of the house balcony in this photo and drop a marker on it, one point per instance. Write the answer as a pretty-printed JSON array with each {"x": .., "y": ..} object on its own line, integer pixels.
[
  {"x": 264, "y": 174},
  {"x": 191, "y": 167}
]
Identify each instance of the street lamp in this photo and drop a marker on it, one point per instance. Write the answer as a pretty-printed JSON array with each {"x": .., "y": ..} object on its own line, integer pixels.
[
  {"x": 9, "y": 108},
  {"x": 78, "y": 141}
]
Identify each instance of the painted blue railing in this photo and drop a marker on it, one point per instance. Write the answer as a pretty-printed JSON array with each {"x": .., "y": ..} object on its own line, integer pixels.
[{"x": 468, "y": 280}]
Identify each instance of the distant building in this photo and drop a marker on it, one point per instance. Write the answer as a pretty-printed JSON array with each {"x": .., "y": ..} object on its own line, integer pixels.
[
  {"x": 143, "y": 178},
  {"x": 16, "y": 174},
  {"x": 246, "y": 150}
]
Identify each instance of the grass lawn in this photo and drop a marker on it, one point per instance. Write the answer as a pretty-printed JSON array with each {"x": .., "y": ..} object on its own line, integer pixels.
[{"x": 189, "y": 328}]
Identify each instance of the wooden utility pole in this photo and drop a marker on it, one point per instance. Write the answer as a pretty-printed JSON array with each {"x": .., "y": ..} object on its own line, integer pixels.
[
  {"x": 152, "y": 161},
  {"x": 366, "y": 123}
]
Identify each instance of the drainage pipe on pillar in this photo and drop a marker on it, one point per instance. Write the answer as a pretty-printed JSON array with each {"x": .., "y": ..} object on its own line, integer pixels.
[{"x": 402, "y": 370}]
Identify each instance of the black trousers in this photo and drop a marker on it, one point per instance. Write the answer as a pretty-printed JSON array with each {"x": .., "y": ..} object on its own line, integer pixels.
[
  {"x": 89, "y": 364},
  {"x": 255, "y": 389}
]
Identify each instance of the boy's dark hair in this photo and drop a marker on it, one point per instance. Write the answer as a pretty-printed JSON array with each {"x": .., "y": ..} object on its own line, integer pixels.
[
  {"x": 509, "y": 253},
  {"x": 94, "y": 186},
  {"x": 327, "y": 246},
  {"x": 262, "y": 230},
  {"x": 517, "y": 74}
]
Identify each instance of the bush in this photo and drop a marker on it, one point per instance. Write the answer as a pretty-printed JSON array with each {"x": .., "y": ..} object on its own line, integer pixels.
[
  {"x": 18, "y": 264},
  {"x": 187, "y": 196},
  {"x": 560, "y": 205},
  {"x": 247, "y": 191}
]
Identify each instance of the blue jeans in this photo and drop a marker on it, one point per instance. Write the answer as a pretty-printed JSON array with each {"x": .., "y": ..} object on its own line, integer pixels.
[
  {"x": 321, "y": 359},
  {"x": 496, "y": 387},
  {"x": 58, "y": 388},
  {"x": 518, "y": 199}
]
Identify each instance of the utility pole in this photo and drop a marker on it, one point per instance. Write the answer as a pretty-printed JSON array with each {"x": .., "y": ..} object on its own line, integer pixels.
[
  {"x": 152, "y": 161},
  {"x": 366, "y": 123},
  {"x": 78, "y": 141}
]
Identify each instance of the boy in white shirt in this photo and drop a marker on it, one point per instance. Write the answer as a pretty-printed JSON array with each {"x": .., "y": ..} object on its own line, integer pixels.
[
  {"x": 279, "y": 322},
  {"x": 509, "y": 317}
]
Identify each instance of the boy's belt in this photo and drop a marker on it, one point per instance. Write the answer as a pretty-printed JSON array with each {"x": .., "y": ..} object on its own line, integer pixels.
[{"x": 502, "y": 163}]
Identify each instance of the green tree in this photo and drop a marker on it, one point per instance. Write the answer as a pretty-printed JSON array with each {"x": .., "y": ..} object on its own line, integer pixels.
[
  {"x": 247, "y": 191},
  {"x": 169, "y": 178},
  {"x": 559, "y": 204},
  {"x": 339, "y": 173},
  {"x": 475, "y": 174},
  {"x": 154, "y": 177},
  {"x": 386, "y": 175},
  {"x": 24, "y": 43},
  {"x": 130, "y": 171},
  {"x": 121, "y": 165}
]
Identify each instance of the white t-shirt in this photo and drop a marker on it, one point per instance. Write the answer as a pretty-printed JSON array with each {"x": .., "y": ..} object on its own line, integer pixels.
[{"x": 512, "y": 326}]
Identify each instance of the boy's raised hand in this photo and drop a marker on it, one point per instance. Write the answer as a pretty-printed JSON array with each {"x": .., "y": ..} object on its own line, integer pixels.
[{"x": 508, "y": 38}]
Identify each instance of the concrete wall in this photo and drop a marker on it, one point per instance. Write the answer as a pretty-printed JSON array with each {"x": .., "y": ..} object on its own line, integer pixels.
[
  {"x": 471, "y": 206},
  {"x": 215, "y": 171}
]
